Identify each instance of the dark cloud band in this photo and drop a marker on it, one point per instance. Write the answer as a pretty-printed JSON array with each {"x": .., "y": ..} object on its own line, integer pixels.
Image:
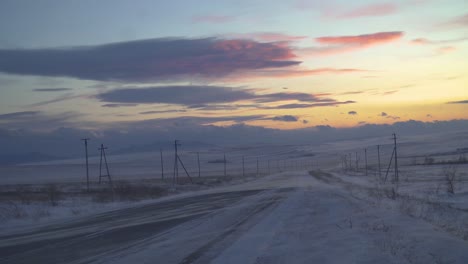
[
  {"x": 148, "y": 60},
  {"x": 200, "y": 97}
]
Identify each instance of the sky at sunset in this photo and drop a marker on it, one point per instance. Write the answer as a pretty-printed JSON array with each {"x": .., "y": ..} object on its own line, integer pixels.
[{"x": 115, "y": 64}]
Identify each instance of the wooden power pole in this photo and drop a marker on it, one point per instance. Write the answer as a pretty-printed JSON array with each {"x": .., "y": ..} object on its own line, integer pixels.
[{"x": 87, "y": 167}]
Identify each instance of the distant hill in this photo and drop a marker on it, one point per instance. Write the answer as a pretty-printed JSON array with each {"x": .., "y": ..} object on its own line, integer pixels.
[
  {"x": 12, "y": 159},
  {"x": 165, "y": 145}
]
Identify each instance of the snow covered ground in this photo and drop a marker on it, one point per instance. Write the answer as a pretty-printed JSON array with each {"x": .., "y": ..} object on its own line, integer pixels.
[
  {"x": 284, "y": 218},
  {"x": 306, "y": 208}
]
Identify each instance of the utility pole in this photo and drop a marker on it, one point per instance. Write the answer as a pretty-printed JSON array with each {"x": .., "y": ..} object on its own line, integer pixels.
[
  {"x": 394, "y": 154},
  {"x": 350, "y": 162},
  {"x": 176, "y": 163},
  {"x": 87, "y": 167},
  {"x": 198, "y": 159},
  {"x": 103, "y": 155},
  {"x": 357, "y": 162},
  {"x": 396, "y": 157},
  {"x": 257, "y": 167},
  {"x": 365, "y": 155},
  {"x": 162, "y": 164},
  {"x": 378, "y": 155},
  {"x": 224, "y": 164},
  {"x": 243, "y": 167}
]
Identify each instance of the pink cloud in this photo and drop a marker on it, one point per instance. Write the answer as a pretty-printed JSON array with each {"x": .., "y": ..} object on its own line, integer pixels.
[
  {"x": 440, "y": 49},
  {"x": 453, "y": 23},
  {"x": 460, "y": 21},
  {"x": 421, "y": 41},
  {"x": 269, "y": 37},
  {"x": 332, "y": 9},
  {"x": 340, "y": 44},
  {"x": 362, "y": 40},
  {"x": 298, "y": 72},
  {"x": 425, "y": 41},
  {"x": 214, "y": 19},
  {"x": 446, "y": 49},
  {"x": 251, "y": 50},
  {"x": 381, "y": 9}
]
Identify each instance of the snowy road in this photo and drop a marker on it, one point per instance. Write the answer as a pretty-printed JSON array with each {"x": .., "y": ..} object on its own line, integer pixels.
[{"x": 284, "y": 218}]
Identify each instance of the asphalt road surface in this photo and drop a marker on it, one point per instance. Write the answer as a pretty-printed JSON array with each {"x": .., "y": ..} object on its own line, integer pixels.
[
  {"x": 284, "y": 218},
  {"x": 85, "y": 240}
]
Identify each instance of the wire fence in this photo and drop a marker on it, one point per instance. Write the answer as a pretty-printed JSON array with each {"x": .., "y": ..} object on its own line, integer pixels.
[{"x": 379, "y": 161}]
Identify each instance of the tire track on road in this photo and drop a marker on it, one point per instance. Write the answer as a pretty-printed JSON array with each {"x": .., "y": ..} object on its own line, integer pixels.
[
  {"x": 107, "y": 231},
  {"x": 239, "y": 226}
]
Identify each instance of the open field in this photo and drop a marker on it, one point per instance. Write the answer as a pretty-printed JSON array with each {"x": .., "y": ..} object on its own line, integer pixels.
[{"x": 306, "y": 206}]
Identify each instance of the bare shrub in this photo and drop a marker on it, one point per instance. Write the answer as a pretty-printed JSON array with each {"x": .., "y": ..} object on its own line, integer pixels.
[
  {"x": 391, "y": 193},
  {"x": 462, "y": 158},
  {"x": 440, "y": 260},
  {"x": 413, "y": 207},
  {"x": 75, "y": 211},
  {"x": 53, "y": 194},
  {"x": 102, "y": 195},
  {"x": 40, "y": 212},
  {"x": 11, "y": 210},
  {"x": 380, "y": 226},
  {"x": 126, "y": 191},
  {"x": 428, "y": 160},
  {"x": 376, "y": 192},
  {"x": 450, "y": 176},
  {"x": 24, "y": 195}
]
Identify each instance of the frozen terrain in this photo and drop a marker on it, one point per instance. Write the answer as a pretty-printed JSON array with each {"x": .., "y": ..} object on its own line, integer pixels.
[
  {"x": 283, "y": 218},
  {"x": 302, "y": 205}
]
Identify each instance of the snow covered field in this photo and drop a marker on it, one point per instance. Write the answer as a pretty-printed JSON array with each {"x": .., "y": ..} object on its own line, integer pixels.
[
  {"x": 305, "y": 208},
  {"x": 283, "y": 218}
]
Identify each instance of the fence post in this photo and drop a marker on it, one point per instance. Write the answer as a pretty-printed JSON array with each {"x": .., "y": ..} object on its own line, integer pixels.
[
  {"x": 243, "y": 167},
  {"x": 198, "y": 159},
  {"x": 257, "y": 167},
  {"x": 162, "y": 164},
  {"x": 224, "y": 164}
]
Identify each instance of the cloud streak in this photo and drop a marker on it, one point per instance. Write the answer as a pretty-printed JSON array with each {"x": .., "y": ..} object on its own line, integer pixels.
[
  {"x": 65, "y": 97},
  {"x": 458, "y": 102},
  {"x": 331, "y": 45},
  {"x": 149, "y": 60},
  {"x": 118, "y": 105},
  {"x": 183, "y": 95},
  {"x": 162, "y": 112},
  {"x": 303, "y": 106},
  {"x": 285, "y": 118},
  {"x": 18, "y": 115},
  {"x": 189, "y": 121},
  {"x": 213, "y": 19},
  {"x": 37, "y": 120},
  {"x": 379, "y": 9},
  {"x": 362, "y": 40},
  {"x": 214, "y": 98},
  {"x": 457, "y": 22},
  {"x": 52, "y": 89},
  {"x": 269, "y": 37},
  {"x": 199, "y": 96},
  {"x": 290, "y": 73}
]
